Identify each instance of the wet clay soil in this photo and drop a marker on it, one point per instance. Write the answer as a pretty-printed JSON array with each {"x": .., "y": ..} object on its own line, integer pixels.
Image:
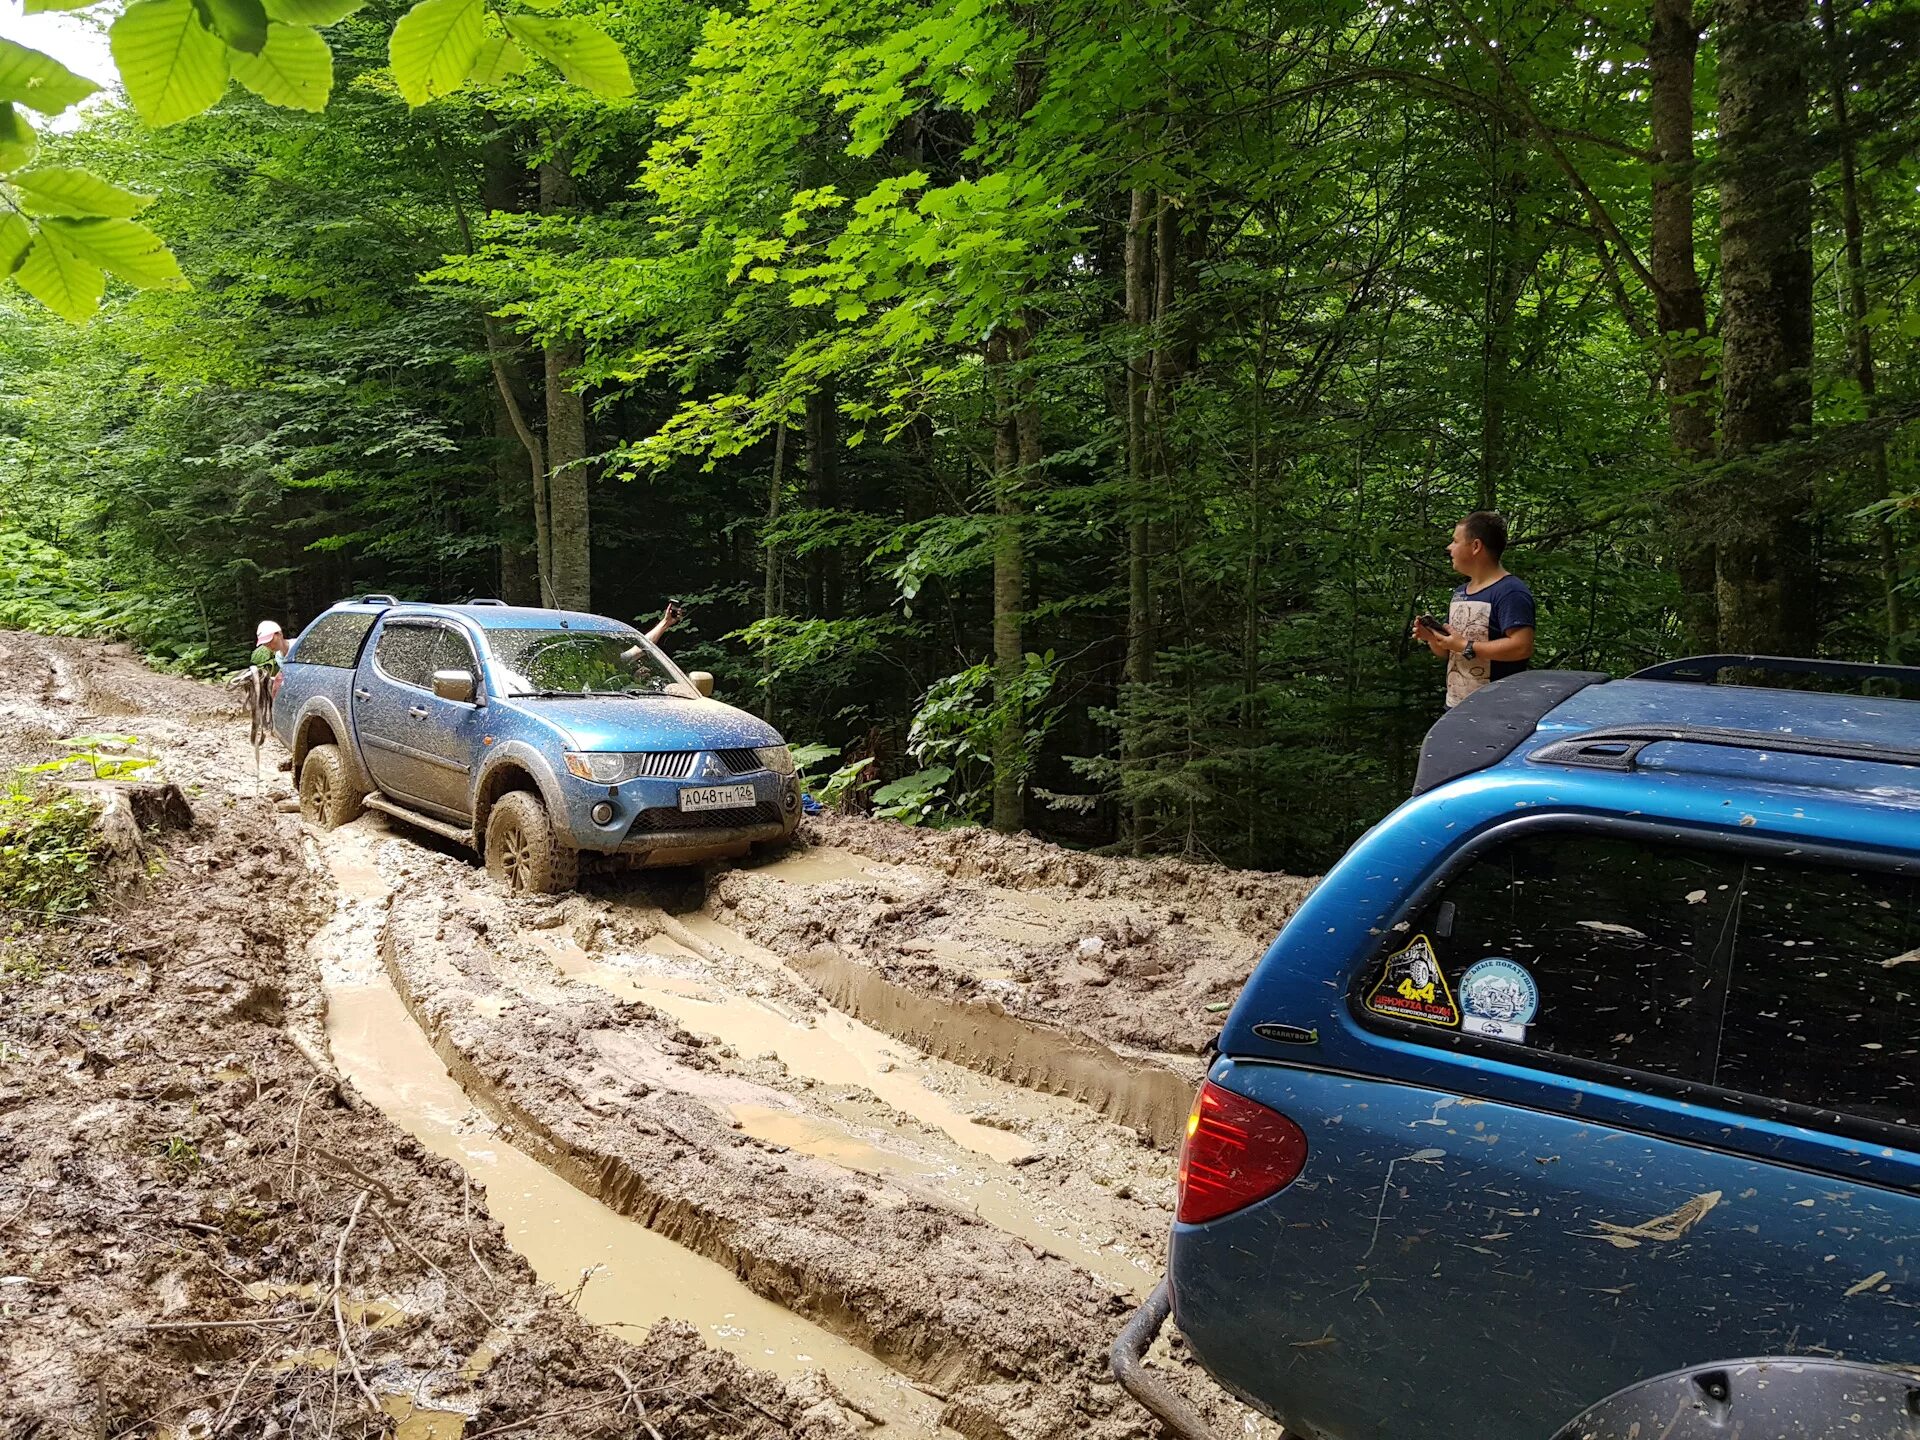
[{"x": 875, "y": 1136}]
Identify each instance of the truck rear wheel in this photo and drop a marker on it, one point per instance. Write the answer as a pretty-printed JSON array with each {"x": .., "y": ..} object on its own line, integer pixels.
[
  {"x": 327, "y": 796},
  {"x": 523, "y": 853}
]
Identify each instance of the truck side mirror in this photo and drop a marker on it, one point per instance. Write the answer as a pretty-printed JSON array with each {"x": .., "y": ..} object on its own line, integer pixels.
[
  {"x": 702, "y": 681},
  {"x": 454, "y": 685}
]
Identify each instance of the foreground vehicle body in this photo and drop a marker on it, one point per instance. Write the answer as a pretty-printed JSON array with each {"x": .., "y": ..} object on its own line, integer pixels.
[
  {"x": 1603, "y": 1060},
  {"x": 533, "y": 735}
]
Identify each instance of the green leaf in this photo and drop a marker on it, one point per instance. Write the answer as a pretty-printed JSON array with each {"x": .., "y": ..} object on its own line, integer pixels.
[
  {"x": 499, "y": 59},
  {"x": 66, "y": 190},
  {"x": 65, "y": 283},
  {"x": 17, "y": 138},
  {"x": 295, "y": 70},
  {"x": 15, "y": 236},
  {"x": 172, "y": 68},
  {"x": 127, "y": 248},
  {"x": 434, "y": 47},
  {"x": 578, "y": 49},
  {"x": 37, "y": 7},
  {"x": 312, "y": 12},
  {"x": 38, "y": 81},
  {"x": 241, "y": 23}
]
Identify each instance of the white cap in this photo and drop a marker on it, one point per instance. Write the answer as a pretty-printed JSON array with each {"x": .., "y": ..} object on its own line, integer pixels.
[{"x": 265, "y": 631}]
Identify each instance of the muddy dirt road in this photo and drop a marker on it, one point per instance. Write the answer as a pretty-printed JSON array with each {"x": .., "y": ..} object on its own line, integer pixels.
[{"x": 872, "y": 1138}]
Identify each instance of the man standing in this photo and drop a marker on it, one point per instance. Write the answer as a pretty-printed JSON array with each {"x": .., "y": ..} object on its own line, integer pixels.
[{"x": 1489, "y": 632}]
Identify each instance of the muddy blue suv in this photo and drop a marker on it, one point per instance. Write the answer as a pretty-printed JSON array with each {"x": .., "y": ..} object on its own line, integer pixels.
[
  {"x": 1599, "y": 1058},
  {"x": 535, "y": 736}
]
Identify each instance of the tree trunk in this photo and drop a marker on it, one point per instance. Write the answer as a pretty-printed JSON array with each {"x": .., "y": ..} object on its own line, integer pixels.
[
  {"x": 770, "y": 552},
  {"x": 1764, "y": 565},
  {"x": 523, "y": 517},
  {"x": 1860, "y": 333},
  {"x": 1140, "y": 638},
  {"x": 567, "y": 479},
  {"x": 1680, "y": 306},
  {"x": 824, "y": 573},
  {"x": 1009, "y": 574},
  {"x": 1508, "y": 266}
]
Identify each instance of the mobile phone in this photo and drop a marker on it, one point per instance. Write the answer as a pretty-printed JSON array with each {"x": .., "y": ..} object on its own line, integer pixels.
[{"x": 1438, "y": 626}]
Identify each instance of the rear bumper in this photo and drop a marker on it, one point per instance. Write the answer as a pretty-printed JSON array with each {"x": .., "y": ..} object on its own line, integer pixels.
[{"x": 1129, "y": 1360}]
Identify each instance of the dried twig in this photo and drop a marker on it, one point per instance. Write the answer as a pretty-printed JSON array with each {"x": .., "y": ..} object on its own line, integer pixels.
[
  {"x": 639, "y": 1406},
  {"x": 466, "y": 1191},
  {"x": 339, "y": 1315},
  {"x": 350, "y": 1168},
  {"x": 421, "y": 1257},
  {"x": 293, "y": 1165},
  {"x": 224, "y": 1324},
  {"x": 234, "y": 1399},
  {"x": 513, "y": 1425}
]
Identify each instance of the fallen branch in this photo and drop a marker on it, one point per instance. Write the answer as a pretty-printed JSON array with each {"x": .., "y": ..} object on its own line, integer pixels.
[
  {"x": 419, "y": 1255},
  {"x": 293, "y": 1165},
  {"x": 339, "y": 1315}
]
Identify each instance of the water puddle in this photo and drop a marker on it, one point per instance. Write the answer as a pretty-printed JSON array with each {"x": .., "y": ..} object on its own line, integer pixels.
[
  {"x": 413, "y": 1423},
  {"x": 828, "y": 1048},
  {"x": 824, "y": 865},
  {"x": 637, "y": 1277}
]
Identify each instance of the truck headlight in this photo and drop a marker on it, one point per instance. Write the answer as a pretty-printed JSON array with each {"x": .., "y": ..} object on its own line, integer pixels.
[
  {"x": 603, "y": 767},
  {"x": 777, "y": 758}
]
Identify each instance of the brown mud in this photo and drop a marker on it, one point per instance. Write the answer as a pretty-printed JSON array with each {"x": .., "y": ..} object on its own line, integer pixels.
[{"x": 872, "y": 1138}]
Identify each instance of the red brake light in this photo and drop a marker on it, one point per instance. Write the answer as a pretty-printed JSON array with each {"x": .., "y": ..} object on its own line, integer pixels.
[{"x": 1236, "y": 1152}]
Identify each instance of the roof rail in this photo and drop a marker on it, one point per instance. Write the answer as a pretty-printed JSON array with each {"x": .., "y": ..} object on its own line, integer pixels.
[
  {"x": 483, "y": 600},
  {"x": 1618, "y": 747},
  {"x": 376, "y": 597},
  {"x": 1707, "y": 668}
]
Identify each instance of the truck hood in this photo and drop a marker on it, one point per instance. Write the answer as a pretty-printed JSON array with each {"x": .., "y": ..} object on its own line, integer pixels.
[{"x": 652, "y": 722}]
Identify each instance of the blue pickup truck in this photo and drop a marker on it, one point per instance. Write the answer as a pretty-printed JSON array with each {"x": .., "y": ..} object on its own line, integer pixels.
[
  {"x": 1597, "y": 1059},
  {"x": 534, "y": 736}
]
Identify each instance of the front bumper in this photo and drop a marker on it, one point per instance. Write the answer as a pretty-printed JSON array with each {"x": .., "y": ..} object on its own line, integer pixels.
[{"x": 645, "y": 815}]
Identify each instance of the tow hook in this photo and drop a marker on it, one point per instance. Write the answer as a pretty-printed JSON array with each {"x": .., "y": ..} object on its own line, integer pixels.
[{"x": 1129, "y": 1360}]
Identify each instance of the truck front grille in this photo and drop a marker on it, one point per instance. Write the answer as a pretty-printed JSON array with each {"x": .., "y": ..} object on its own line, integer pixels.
[
  {"x": 664, "y": 764},
  {"x": 741, "y": 762}
]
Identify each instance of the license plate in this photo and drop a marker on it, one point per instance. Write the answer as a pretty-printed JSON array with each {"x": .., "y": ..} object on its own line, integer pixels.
[{"x": 716, "y": 797}]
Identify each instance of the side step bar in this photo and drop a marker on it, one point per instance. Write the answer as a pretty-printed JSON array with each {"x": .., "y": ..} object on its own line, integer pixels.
[
  {"x": 1129, "y": 1360},
  {"x": 446, "y": 830}
]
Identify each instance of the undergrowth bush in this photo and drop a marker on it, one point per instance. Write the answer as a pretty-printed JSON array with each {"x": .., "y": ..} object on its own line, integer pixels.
[
  {"x": 44, "y": 589},
  {"x": 49, "y": 853}
]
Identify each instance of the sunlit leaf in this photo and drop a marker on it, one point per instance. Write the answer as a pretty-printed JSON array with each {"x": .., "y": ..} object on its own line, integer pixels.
[
  {"x": 172, "y": 67},
  {"x": 64, "y": 282},
  {"x": 126, "y": 247},
  {"x": 38, "y": 7},
  {"x": 15, "y": 236},
  {"x": 66, "y": 190},
  {"x": 241, "y": 23},
  {"x": 295, "y": 70},
  {"x": 578, "y": 49},
  {"x": 499, "y": 59},
  {"x": 17, "y": 138},
  {"x": 38, "y": 81},
  {"x": 312, "y": 12},
  {"x": 434, "y": 46}
]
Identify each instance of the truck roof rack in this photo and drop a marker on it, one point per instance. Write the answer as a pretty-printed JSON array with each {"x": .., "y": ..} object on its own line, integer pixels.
[
  {"x": 1618, "y": 747},
  {"x": 1706, "y": 669},
  {"x": 483, "y": 600},
  {"x": 375, "y": 597}
]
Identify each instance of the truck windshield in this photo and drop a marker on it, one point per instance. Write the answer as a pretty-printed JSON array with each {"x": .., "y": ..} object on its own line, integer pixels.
[{"x": 577, "y": 662}]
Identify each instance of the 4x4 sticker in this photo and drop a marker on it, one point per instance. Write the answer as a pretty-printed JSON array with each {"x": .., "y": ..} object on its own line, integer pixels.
[
  {"x": 1499, "y": 998},
  {"x": 1412, "y": 987}
]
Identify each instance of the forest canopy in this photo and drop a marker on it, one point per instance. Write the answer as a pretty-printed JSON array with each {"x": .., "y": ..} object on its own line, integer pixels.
[{"x": 1060, "y": 407}]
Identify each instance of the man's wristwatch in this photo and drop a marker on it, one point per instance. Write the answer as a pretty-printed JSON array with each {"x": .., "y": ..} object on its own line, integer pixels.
[{"x": 1467, "y": 654}]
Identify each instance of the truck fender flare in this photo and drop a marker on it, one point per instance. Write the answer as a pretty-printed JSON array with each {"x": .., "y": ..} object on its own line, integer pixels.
[
  {"x": 322, "y": 710},
  {"x": 522, "y": 756}
]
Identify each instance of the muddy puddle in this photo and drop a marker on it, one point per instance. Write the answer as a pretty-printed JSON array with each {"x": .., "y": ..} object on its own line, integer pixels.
[
  {"x": 621, "y": 1274},
  {"x": 832, "y": 1049}
]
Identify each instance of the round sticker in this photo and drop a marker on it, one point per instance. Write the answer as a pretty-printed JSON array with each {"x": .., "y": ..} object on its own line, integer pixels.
[{"x": 1500, "y": 994}]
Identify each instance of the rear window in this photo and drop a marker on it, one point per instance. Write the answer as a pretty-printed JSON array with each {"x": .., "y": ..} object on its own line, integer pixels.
[
  {"x": 1770, "y": 975},
  {"x": 333, "y": 640}
]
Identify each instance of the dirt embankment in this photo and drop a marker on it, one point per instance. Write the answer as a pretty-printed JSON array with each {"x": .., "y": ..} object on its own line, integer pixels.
[{"x": 201, "y": 1231}]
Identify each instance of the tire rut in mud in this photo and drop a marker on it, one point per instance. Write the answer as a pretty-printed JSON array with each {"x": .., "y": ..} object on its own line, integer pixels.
[{"x": 621, "y": 1103}]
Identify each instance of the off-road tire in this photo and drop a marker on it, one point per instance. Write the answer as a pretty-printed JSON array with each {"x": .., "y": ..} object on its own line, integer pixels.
[
  {"x": 327, "y": 796},
  {"x": 523, "y": 853}
]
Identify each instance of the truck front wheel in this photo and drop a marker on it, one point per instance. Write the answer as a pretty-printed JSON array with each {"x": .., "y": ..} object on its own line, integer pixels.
[
  {"x": 327, "y": 796},
  {"x": 523, "y": 853}
]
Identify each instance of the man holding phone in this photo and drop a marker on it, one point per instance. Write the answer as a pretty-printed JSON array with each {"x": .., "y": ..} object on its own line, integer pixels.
[{"x": 1488, "y": 632}]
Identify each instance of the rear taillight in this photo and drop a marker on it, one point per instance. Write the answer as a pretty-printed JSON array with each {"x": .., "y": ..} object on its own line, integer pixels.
[{"x": 1236, "y": 1152}]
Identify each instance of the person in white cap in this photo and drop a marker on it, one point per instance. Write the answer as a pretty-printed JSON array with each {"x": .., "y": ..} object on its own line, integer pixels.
[{"x": 269, "y": 649}]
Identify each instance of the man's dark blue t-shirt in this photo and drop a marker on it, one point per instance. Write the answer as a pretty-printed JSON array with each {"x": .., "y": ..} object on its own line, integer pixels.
[{"x": 1490, "y": 614}]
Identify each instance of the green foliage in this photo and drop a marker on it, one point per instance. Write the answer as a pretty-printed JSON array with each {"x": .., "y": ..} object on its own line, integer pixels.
[
  {"x": 832, "y": 785},
  {"x": 49, "y": 855}
]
